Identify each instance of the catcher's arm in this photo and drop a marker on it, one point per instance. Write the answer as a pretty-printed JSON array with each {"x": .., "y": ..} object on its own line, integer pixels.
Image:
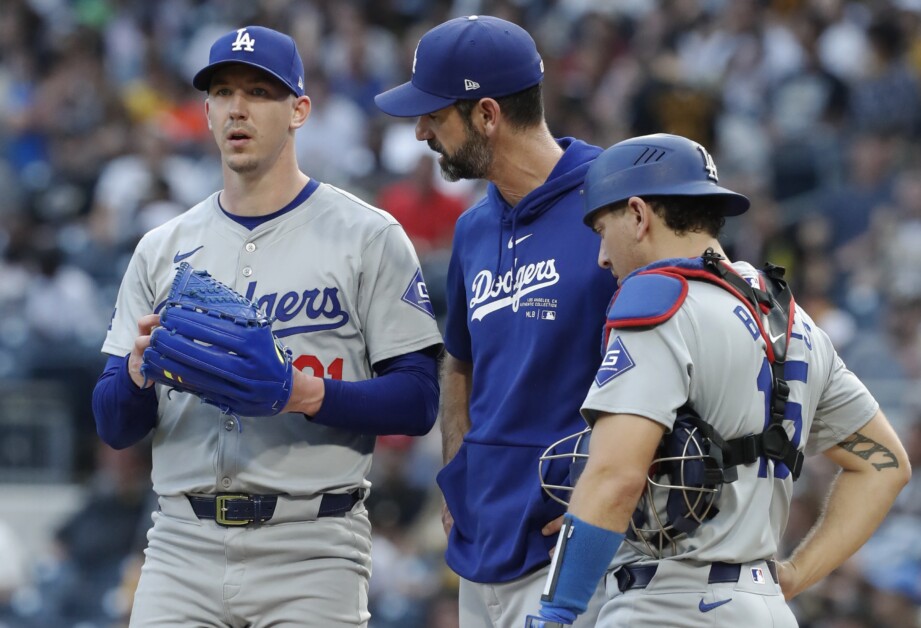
[{"x": 874, "y": 468}]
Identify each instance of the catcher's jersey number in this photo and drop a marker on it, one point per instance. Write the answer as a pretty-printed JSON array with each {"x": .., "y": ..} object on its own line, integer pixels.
[{"x": 334, "y": 369}]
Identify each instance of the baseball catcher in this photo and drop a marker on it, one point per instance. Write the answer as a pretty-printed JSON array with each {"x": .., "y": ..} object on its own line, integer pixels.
[
  {"x": 713, "y": 387},
  {"x": 218, "y": 345}
]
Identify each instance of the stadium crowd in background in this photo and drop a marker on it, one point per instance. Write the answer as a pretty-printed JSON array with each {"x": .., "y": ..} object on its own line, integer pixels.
[{"x": 811, "y": 108}]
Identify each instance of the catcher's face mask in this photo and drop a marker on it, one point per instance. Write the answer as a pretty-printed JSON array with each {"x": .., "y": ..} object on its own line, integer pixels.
[
  {"x": 567, "y": 453},
  {"x": 683, "y": 484}
]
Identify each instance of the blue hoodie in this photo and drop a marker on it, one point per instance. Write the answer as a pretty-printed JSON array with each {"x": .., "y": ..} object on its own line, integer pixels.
[{"x": 533, "y": 342}]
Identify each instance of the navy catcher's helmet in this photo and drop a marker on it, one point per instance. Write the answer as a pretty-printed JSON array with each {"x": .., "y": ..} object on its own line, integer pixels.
[{"x": 656, "y": 165}]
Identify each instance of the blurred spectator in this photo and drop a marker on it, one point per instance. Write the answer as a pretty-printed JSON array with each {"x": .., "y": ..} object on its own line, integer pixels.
[
  {"x": 56, "y": 287},
  {"x": 405, "y": 576},
  {"x": 867, "y": 185},
  {"x": 13, "y": 574},
  {"x": 886, "y": 95},
  {"x": 334, "y": 146},
  {"x": 93, "y": 546},
  {"x": 900, "y": 238},
  {"x": 127, "y": 182},
  {"x": 360, "y": 58},
  {"x": 426, "y": 213},
  {"x": 806, "y": 114},
  {"x": 428, "y": 216}
]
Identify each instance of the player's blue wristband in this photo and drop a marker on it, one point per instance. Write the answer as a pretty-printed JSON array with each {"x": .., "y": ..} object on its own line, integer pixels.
[{"x": 583, "y": 553}]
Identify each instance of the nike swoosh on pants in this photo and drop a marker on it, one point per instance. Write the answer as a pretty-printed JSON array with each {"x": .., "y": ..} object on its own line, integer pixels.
[{"x": 706, "y": 608}]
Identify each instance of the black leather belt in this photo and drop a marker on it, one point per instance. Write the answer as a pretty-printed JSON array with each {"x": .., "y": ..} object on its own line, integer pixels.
[
  {"x": 639, "y": 576},
  {"x": 235, "y": 509}
]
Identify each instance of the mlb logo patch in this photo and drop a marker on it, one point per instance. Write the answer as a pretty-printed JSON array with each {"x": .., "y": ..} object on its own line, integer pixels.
[
  {"x": 758, "y": 575},
  {"x": 616, "y": 361},
  {"x": 417, "y": 295}
]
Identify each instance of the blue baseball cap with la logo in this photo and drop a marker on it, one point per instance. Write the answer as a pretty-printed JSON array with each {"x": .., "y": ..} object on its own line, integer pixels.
[
  {"x": 466, "y": 58},
  {"x": 260, "y": 47}
]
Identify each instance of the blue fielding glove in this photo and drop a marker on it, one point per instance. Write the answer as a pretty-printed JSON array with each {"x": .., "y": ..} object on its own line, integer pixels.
[{"x": 218, "y": 345}]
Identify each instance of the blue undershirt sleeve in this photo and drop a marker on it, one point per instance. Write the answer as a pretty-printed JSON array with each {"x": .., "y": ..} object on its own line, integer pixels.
[
  {"x": 124, "y": 413},
  {"x": 402, "y": 399}
]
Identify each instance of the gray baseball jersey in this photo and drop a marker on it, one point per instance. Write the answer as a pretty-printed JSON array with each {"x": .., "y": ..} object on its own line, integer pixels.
[
  {"x": 709, "y": 355},
  {"x": 343, "y": 281}
]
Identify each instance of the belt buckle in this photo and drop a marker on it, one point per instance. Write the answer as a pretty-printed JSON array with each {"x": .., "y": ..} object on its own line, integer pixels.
[{"x": 220, "y": 510}]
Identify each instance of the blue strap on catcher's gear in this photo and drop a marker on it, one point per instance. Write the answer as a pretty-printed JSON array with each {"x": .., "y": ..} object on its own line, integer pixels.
[
  {"x": 218, "y": 345},
  {"x": 583, "y": 554}
]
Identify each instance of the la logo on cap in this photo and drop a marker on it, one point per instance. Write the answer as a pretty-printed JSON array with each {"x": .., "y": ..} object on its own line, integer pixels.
[{"x": 243, "y": 41}]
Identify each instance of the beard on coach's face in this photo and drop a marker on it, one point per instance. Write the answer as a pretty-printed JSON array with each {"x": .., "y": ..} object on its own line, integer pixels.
[{"x": 470, "y": 161}]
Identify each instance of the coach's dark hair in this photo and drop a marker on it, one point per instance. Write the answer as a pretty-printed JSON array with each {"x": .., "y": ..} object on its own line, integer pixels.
[
  {"x": 524, "y": 109},
  {"x": 689, "y": 214}
]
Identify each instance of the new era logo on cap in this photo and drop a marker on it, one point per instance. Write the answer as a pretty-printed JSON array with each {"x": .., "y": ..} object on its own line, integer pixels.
[
  {"x": 478, "y": 53},
  {"x": 259, "y": 47}
]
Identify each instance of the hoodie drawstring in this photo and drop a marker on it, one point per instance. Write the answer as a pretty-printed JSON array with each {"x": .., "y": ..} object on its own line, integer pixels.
[{"x": 514, "y": 244}]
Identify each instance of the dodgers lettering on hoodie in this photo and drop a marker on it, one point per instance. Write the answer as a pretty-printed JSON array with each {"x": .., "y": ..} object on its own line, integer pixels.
[{"x": 526, "y": 305}]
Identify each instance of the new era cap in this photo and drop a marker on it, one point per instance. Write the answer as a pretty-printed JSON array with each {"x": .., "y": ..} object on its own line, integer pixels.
[
  {"x": 260, "y": 47},
  {"x": 466, "y": 58}
]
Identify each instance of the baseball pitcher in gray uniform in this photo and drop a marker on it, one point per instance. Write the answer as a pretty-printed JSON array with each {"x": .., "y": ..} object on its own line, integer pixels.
[
  {"x": 712, "y": 386},
  {"x": 261, "y": 519}
]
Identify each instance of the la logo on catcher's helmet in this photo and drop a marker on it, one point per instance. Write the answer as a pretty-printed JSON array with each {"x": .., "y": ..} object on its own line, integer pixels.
[
  {"x": 683, "y": 483},
  {"x": 656, "y": 165}
]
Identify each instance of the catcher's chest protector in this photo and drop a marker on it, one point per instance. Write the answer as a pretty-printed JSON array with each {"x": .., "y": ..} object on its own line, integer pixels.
[{"x": 654, "y": 294}]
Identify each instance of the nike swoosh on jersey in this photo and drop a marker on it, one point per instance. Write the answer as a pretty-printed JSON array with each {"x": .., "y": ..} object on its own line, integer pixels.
[
  {"x": 181, "y": 256},
  {"x": 518, "y": 241},
  {"x": 706, "y": 608},
  {"x": 774, "y": 338}
]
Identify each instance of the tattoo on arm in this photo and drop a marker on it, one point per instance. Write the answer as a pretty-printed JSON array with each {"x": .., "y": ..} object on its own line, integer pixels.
[{"x": 866, "y": 448}]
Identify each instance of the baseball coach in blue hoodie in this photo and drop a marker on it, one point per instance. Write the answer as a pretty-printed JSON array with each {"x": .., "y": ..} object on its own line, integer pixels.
[{"x": 526, "y": 306}]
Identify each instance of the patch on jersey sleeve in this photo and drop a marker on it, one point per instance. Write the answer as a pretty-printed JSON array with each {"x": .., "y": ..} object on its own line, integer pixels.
[
  {"x": 615, "y": 362},
  {"x": 417, "y": 295}
]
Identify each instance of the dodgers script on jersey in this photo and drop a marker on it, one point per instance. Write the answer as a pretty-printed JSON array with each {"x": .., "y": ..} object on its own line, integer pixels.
[
  {"x": 344, "y": 284},
  {"x": 652, "y": 372}
]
